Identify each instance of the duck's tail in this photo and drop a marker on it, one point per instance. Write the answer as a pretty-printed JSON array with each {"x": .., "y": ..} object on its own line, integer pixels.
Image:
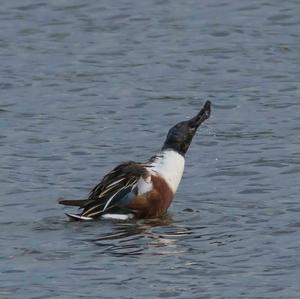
[
  {"x": 73, "y": 202},
  {"x": 81, "y": 203}
]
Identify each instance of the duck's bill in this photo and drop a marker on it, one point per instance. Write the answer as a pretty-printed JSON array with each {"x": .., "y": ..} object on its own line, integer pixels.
[{"x": 203, "y": 115}]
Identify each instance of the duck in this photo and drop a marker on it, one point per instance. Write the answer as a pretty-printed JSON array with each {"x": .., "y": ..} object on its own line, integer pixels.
[{"x": 142, "y": 189}]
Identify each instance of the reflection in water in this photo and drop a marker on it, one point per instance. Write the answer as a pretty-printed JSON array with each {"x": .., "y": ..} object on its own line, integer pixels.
[{"x": 151, "y": 236}]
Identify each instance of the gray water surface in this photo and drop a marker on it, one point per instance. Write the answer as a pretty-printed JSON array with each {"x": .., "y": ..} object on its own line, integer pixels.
[{"x": 88, "y": 84}]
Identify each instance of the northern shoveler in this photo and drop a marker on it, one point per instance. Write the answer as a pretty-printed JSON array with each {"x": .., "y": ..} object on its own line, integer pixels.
[{"x": 142, "y": 190}]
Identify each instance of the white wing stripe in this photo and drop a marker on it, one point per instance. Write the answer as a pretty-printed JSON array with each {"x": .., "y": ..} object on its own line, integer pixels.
[
  {"x": 116, "y": 182},
  {"x": 109, "y": 201},
  {"x": 92, "y": 208}
]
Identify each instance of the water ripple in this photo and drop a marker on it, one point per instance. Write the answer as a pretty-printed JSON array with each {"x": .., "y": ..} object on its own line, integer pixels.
[{"x": 86, "y": 85}]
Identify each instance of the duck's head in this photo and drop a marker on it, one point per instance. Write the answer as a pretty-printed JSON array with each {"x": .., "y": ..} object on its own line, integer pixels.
[{"x": 180, "y": 136}]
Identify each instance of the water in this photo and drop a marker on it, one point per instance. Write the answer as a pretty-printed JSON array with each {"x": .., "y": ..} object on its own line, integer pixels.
[{"x": 85, "y": 86}]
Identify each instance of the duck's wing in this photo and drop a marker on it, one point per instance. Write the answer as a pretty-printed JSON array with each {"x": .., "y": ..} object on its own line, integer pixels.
[{"x": 113, "y": 193}]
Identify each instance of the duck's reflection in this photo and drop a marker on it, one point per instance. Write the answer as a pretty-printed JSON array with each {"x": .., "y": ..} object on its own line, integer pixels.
[{"x": 143, "y": 237}]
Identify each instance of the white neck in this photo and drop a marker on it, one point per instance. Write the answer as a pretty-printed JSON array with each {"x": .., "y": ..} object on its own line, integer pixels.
[{"x": 169, "y": 165}]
